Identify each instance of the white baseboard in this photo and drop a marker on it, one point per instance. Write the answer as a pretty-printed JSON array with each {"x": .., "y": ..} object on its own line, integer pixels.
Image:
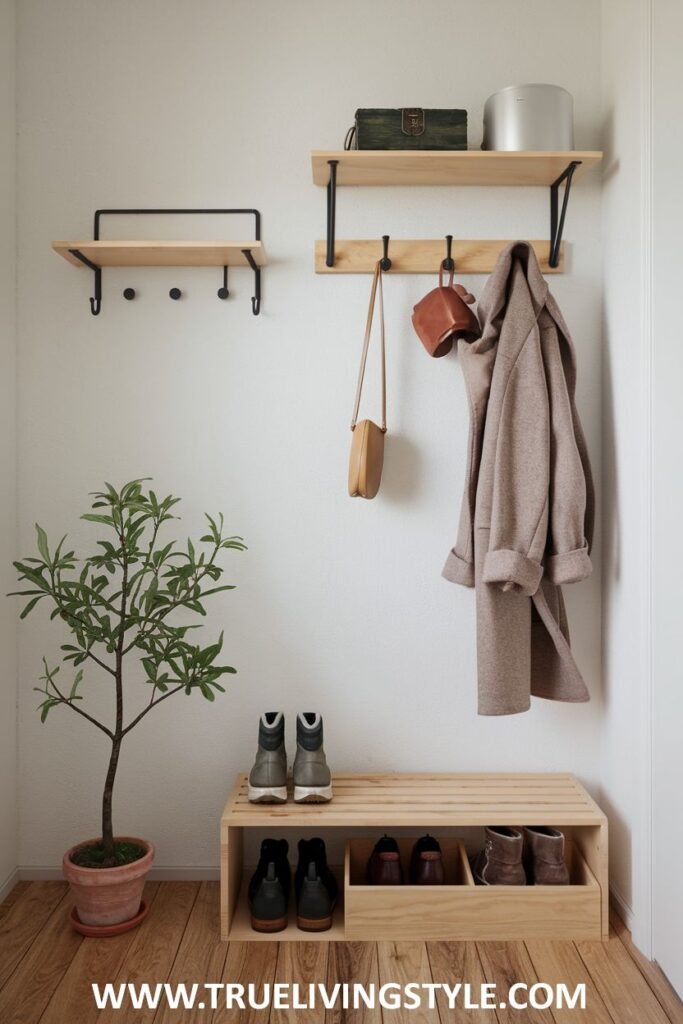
[
  {"x": 157, "y": 874},
  {"x": 622, "y": 908},
  {"x": 8, "y": 884}
]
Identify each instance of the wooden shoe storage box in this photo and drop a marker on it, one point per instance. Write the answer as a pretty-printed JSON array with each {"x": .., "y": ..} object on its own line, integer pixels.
[{"x": 458, "y": 910}]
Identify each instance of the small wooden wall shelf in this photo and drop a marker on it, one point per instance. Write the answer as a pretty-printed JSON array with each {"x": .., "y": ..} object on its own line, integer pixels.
[
  {"x": 162, "y": 254},
  {"x": 97, "y": 253},
  {"x": 456, "y": 167},
  {"x": 459, "y": 910}
]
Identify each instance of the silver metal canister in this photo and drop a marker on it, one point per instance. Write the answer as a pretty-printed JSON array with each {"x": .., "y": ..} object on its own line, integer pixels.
[{"x": 531, "y": 117}]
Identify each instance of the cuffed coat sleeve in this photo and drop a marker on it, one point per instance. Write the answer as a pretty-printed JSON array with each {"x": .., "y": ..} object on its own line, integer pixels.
[{"x": 519, "y": 512}]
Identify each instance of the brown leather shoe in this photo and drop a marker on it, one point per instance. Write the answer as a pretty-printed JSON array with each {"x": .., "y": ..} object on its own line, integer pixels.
[
  {"x": 500, "y": 862},
  {"x": 545, "y": 856},
  {"x": 384, "y": 865},
  {"x": 426, "y": 863}
]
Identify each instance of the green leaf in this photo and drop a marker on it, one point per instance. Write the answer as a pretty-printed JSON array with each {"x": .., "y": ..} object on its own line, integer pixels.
[
  {"x": 77, "y": 680},
  {"x": 42, "y": 543},
  {"x": 30, "y": 606},
  {"x": 92, "y": 517},
  {"x": 150, "y": 668}
]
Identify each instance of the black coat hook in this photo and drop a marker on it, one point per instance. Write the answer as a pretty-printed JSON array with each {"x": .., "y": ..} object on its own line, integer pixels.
[
  {"x": 129, "y": 293},
  {"x": 385, "y": 262},
  {"x": 223, "y": 292},
  {"x": 449, "y": 262},
  {"x": 175, "y": 293}
]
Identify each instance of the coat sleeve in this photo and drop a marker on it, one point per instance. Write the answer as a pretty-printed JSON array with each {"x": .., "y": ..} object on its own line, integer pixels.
[
  {"x": 567, "y": 560},
  {"x": 520, "y": 502}
]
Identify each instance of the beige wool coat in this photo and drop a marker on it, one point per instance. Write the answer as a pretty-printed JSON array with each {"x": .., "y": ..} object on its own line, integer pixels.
[{"x": 527, "y": 516}]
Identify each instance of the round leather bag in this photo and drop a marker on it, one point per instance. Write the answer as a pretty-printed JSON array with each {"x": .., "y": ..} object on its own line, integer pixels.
[{"x": 366, "y": 460}]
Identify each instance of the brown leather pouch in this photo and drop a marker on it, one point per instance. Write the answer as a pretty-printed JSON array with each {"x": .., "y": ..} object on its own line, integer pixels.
[
  {"x": 367, "y": 443},
  {"x": 444, "y": 315}
]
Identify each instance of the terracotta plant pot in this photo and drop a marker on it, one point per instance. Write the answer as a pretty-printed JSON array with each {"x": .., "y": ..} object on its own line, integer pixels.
[{"x": 108, "y": 896}]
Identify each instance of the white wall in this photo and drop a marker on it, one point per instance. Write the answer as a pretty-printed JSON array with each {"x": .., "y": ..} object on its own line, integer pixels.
[
  {"x": 667, "y": 540},
  {"x": 8, "y": 678},
  {"x": 340, "y": 604},
  {"x": 626, "y": 440}
]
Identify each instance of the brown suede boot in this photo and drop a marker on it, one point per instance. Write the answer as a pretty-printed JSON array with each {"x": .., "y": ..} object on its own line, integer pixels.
[
  {"x": 500, "y": 862},
  {"x": 545, "y": 856}
]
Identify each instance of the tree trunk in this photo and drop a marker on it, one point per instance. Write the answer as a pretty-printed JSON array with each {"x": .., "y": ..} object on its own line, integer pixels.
[{"x": 107, "y": 823}]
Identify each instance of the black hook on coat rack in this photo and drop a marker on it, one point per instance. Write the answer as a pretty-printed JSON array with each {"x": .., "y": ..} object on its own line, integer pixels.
[
  {"x": 223, "y": 292},
  {"x": 385, "y": 262},
  {"x": 449, "y": 262}
]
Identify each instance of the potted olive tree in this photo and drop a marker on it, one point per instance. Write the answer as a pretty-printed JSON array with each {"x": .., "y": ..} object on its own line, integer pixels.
[{"x": 125, "y": 606}]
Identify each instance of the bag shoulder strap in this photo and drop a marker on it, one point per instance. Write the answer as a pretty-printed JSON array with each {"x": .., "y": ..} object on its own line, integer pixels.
[{"x": 376, "y": 286}]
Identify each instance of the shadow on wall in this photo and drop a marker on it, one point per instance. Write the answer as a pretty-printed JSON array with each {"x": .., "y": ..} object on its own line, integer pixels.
[
  {"x": 402, "y": 470},
  {"x": 619, "y": 839},
  {"x": 611, "y": 525}
]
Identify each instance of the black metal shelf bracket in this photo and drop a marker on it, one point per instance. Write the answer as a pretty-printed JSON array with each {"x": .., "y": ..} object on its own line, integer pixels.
[
  {"x": 256, "y": 297},
  {"x": 331, "y": 211},
  {"x": 96, "y": 300},
  {"x": 557, "y": 222}
]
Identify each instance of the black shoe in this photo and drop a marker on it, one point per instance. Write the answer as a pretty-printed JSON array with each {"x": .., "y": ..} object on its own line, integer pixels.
[
  {"x": 316, "y": 887},
  {"x": 269, "y": 887}
]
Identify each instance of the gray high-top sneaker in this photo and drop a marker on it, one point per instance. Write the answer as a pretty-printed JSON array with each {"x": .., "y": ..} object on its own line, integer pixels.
[
  {"x": 268, "y": 777},
  {"x": 312, "y": 780}
]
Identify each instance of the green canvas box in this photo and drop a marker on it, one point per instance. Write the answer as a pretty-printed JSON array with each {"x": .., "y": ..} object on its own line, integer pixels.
[{"x": 408, "y": 128}]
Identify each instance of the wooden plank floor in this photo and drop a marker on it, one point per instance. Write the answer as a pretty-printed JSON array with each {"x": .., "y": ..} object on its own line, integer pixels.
[{"x": 46, "y": 969}]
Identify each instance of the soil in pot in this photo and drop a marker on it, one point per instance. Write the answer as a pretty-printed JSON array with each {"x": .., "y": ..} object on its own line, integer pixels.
[{"x": 125, "y": 852}]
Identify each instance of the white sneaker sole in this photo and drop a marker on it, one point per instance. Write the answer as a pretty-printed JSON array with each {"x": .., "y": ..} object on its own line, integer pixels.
[
  {"x": 267, "y": 794},
  {"x": 312, "y": 794}
]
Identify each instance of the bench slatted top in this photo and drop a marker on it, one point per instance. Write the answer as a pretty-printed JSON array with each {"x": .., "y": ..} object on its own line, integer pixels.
[{"x": 520, "y": 798}]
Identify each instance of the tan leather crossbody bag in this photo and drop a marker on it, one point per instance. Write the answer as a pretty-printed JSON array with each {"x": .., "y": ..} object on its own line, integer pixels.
[{"x": 367, "y": 444}]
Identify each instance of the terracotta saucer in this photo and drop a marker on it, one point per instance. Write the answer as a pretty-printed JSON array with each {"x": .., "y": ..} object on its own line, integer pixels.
[{"x": 106, "y": 931}]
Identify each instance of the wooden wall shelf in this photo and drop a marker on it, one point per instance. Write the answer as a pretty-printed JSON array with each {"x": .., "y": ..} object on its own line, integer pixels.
[
  {"x": 162, "y": 254},
  {"x": 456, "y": 167},
  {"x": 374, "y": 803},
  {"x": 97, "y": 253}
]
